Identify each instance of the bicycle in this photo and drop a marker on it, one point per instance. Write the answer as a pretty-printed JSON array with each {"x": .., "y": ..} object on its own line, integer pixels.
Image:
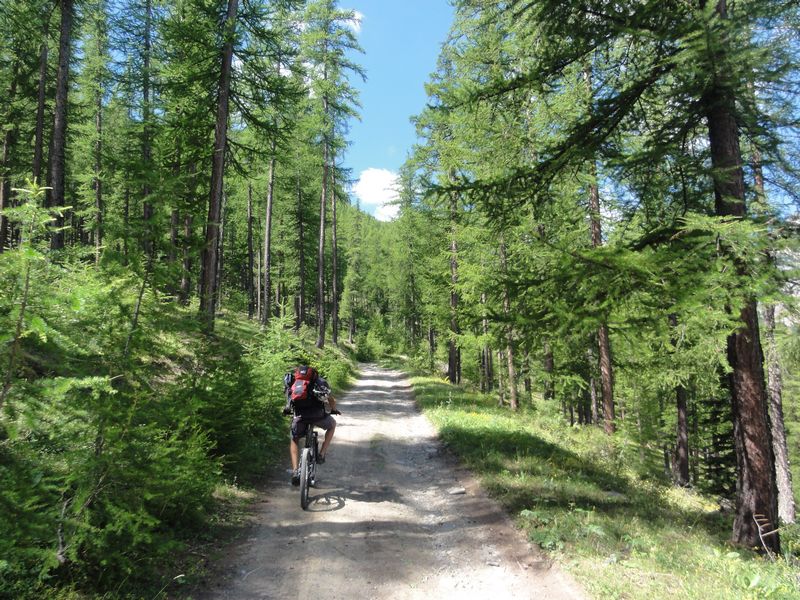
[{"x": 308, "y": 462}]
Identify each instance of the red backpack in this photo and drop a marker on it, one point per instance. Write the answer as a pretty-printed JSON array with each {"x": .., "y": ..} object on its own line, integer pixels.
[{"x": 300, "y": 392}]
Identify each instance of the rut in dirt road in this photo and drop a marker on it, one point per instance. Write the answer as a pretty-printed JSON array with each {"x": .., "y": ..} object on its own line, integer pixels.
[{"x": 391, "y": 517}]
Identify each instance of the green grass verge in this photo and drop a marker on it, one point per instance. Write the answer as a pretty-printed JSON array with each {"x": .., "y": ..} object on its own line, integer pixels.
[{"x": 577, "y": 494}]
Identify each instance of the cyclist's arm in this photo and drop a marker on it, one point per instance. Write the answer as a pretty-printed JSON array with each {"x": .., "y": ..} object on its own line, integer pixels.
[{"x": 332, "y": 402}]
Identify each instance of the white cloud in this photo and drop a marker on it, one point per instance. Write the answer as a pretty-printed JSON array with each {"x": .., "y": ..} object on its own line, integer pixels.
[
  {"x": 355, "y": 22},
  {"x": 378, "y": 189}
]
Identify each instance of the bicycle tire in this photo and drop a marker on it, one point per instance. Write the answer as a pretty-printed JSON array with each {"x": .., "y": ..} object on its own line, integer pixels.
[{"x": 305, "y": 477}]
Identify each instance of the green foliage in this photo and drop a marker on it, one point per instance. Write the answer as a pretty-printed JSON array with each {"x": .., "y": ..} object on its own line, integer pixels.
[{"x": 587, "y": 499}]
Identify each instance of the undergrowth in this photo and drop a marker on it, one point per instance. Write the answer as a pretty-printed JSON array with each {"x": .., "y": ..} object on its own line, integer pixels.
[{"x": 582, "y": 496}]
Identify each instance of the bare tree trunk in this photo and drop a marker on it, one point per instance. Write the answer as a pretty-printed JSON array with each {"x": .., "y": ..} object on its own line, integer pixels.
[
  {"x": 756, "y": 489},
  {"x": 38, "y": 138},
  {"x": 681, "y": 455},
  {"x": 453, "y": 371},
  {"x": 548, "y": 366},
  {"x": 501, "y": 388},
  {"x": 321, "y": 247},
  {"x": 186, "y": 271},
  {"x": 786, "y": 506},
  {"x": 604, "y": 343},
  {"x": 267, "y": 306},
  {"x": 208, "y": 280},
  {"x": 59, "y": 139},
  {"x": 258, "y": 274},
  {"x": 251, "y": 295},
  {"x": 147, "y": 112},
  {"x": 5, "y": 177},
  {"x": 512, "y": 372},
  {"x": 98, "y": 169},
  {"x": 334, "y": 265},
  {"x": 301, "y": 296}
]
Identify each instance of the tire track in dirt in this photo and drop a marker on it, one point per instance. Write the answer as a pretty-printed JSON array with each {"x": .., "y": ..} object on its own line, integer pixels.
[{"x": 382, "y": 523}]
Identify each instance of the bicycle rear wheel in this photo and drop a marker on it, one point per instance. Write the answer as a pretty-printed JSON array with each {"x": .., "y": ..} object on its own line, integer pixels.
[{"x": 305, "y": 477}]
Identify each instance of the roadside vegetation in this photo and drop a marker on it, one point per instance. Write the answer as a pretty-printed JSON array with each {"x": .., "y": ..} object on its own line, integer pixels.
[{"x": 593, "y": 503}]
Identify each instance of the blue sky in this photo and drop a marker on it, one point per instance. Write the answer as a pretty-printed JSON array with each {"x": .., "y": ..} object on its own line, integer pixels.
[{"x": 401, "y": 41}]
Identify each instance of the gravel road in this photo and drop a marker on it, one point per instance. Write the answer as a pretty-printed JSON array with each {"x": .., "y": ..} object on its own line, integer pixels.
[{"x": 392, "y": 517}]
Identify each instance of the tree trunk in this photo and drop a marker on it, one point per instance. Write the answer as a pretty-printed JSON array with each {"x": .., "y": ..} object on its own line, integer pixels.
[
  {"x": 604, "y": 343},
  {"x": 301, "y": 296},
  {"x": 38, "y": 138},
  {"x": 548, "y": 365},
  {"x": 98, "y": 169},
  {"x": 208, "y": 284},
  {"x": 59, "y": 139},
  {"x": 248, "y": 282},
  {"x": 334, "y": 265},
  {"x": 756, "y": 489},
  {"x": 512, "y": 372},
  {"x": 786, "y": 506},
  {"x": 267, "y": 306},
  {"x": 186, "y": 271},
  {"x": 5, "y": 176},
  {"x": 258, "y": 275},
  {"x": 453, "y": 372},
  {"x": 680, "y": 470},
  {"x": 147, "y": 112},
  {"x": 321, "y": 246}
]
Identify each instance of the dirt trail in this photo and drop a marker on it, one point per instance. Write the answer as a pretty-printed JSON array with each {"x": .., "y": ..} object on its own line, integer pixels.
[{"x": 383, "y": 523}]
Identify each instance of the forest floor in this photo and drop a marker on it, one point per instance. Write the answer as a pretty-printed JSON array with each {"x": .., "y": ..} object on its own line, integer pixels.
[{"x": 393, "y": 516}]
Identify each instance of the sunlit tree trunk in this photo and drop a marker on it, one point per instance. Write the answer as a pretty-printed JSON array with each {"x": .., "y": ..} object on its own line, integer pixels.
[
  {"x": 38, "y": 137},
  {"x": 756, "y": 497},
  {"x": 147, "y": 117},
  {"x": 266, "y": 309},
  {"x": 334, "y": 265},
  {"x": 59, "y": 139},
  {"x": 5, "y": 175},
  {"x": 208, "y": 283},
  {"x": 512, "y": 372},
  {"x": 301, "y": 295}
]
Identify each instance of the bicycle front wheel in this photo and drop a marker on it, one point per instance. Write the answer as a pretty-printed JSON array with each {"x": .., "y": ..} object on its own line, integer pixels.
[{"x": 305, "y": 477}]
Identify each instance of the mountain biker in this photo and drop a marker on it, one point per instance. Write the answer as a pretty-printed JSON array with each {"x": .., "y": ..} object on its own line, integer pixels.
[{"x": 310, "y": 410}]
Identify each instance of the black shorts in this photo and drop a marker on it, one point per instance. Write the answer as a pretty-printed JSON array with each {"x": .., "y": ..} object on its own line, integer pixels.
[{"x": 300, "y": 425}]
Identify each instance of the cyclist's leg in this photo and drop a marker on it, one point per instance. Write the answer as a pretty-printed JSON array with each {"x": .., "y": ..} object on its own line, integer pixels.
[
  {"x": 298, "y": 430},
  {"x": 329, "y": 425}
]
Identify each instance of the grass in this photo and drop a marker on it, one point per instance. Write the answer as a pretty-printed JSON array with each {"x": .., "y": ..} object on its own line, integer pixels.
[{"x": 577, "y": 493}]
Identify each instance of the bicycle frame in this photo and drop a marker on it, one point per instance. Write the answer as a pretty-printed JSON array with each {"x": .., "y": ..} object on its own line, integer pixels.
[{"x": 308, "y": 464}]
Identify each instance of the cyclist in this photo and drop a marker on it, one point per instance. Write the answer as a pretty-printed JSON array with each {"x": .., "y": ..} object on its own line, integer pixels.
[{"x": 304, "y": 388}]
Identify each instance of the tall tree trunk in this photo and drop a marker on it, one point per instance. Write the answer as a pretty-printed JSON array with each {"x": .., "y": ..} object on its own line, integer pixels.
[
  {"x": 59, "y": 139},
  {"x": 321, "y": 246},
  {"x": 258, "y": 274},
  {"x": 512, "y": 372},
  {"x": 147, "y": 112},
  {"x": 301, "y": 295},
  {"x": 248, "y": 282},
  {"x": 786, "y": 506},
  {"x": 756, "y": 489},
  {"x": 186, "y": 270},
  {"x": 208, "y": 280},
  {"x": 5, "y": 175},
  {"x": 681, "y": 455},
  {"x": 38, "y": 137},
  {"x": 98, "y": 169},
  {"x": 681, "y": 470},
  {"x": 453, "y": 371},
  {"x": 321, "y": 256},
  {"x": 266, "y": 309},
  {"x": 334, "y": 264},
  {"x": 783, "y": 473},
  {"x": 603, "y": 340},
  {"x": 548, "y": 364}
]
